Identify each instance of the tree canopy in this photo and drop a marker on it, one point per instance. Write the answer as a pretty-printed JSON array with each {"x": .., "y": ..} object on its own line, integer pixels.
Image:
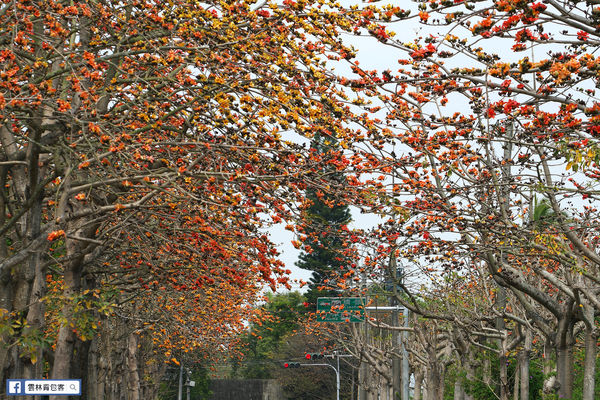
[{"x": 145, "y": 148}]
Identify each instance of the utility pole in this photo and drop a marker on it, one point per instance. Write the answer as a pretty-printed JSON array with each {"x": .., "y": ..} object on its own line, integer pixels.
[
  {"x": 337, "y": 374},
  {"x": 180, "y": 386},
  {"x": 189, "y": 384},
  {"x": 363, "y": 371},
  {"x": 396, "y": 337},
  {"x": 400, "y": 367},
  {"x": 337, "y": 356}
]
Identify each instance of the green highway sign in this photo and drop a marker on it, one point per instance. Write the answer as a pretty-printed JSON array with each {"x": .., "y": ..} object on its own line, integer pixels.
[{"x": 340, "y": 309}]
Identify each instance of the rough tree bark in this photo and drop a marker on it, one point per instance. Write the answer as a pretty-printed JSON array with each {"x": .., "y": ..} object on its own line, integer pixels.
[
  {"x": 418, "y": 384},
  {"x": 133, "y": 381},
  {"x": 434, "y": 387},
  {"x": 591, "y": 351},
  {"x": 564, "y": 343},
  {"x": 76, "y": 250},
  {"x": 459, "y": 390},
  {"x": 524, "y": 359}
]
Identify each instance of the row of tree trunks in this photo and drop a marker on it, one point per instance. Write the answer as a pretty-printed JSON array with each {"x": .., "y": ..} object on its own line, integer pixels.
[
  {"x": 23, "y": 285},
  {"x": 116, "y": 377},
  {"x": 559, "y": 359},
  {"x": 116, "y": 365},
  {"x": 434, "y": 347}
]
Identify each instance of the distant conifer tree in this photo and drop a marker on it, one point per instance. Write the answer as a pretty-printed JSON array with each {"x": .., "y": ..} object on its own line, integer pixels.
[{"x": 323, "y": 251}]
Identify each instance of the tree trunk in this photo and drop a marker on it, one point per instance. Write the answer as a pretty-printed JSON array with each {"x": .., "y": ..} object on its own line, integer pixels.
[
  {"x": 524, "y": 360},
  {"x": 80, "y": 361},
  {"x": 24, "y": 285},
  {"x": 133, "y": 381},
  {"x": 36, "y": 274},
  {"x": 397, "y": 374},
  {"x": 17, "y": 363},
  {"x": 434, "y": 382},
  {"x": 363, "y": 376},
  {"x": 62, "y": 355},
  {"x": 34, "y": 362},
  {"x": 503, "y": 367},
  {"x": 33, "y": 358},
  {"x": 418, "y": 384},
  {"x": 470, "y": 378},
  {"x": 94, "y": 382},
  {"x": 76, "y": 249},
  {"x": 66, "y": 337},
  {"x": 352, "y": 385},
  {"x": 589, "y": 373},
  {"x": 442, "y": 386},
  {"x": 487, "y": 371},
  {"x": 564, "y": 358},
  {"x": 6, "y": 303},
  {"x": 459, "y": 390},
  {"x": 501, "y": 327},
  {"x": 6, "y": 283},
  {"x": 564, "y": 368},
  {"x": 156, "y": 372},
  {"x": 549, "y": 371}
]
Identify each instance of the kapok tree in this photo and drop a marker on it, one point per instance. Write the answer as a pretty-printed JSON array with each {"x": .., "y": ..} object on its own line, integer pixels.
[
  {"x": 167, "y": 121},
  {"x": 493, "y": 107},
  {"x": 182, "y": 303}
]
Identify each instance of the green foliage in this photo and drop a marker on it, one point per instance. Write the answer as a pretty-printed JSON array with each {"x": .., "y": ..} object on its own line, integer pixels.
[
  {"x": 542, "y": 212},
  {"x": 200, "y": 391},
  {"x": 264, "y": 340},
  {"x": 543, "y": 215},
  {"x": 87, "y": 306},
  {"x": 17, "y": 332},
  {"x": 536, "y": 380},
  {"x": 278, "y": 338},
  {"x": 170, "y": 385},
  {"x": 578, "y": 376}
]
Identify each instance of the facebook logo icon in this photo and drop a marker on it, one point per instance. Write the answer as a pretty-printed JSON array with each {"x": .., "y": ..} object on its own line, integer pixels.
[{"x": 15, "y": 386}]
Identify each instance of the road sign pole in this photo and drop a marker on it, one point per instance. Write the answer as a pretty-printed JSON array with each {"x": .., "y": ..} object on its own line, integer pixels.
[{"x": 405, "y": 367}]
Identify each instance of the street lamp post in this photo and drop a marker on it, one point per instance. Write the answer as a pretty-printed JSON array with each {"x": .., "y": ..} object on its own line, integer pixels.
[{"x": 188, "y": 385}]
